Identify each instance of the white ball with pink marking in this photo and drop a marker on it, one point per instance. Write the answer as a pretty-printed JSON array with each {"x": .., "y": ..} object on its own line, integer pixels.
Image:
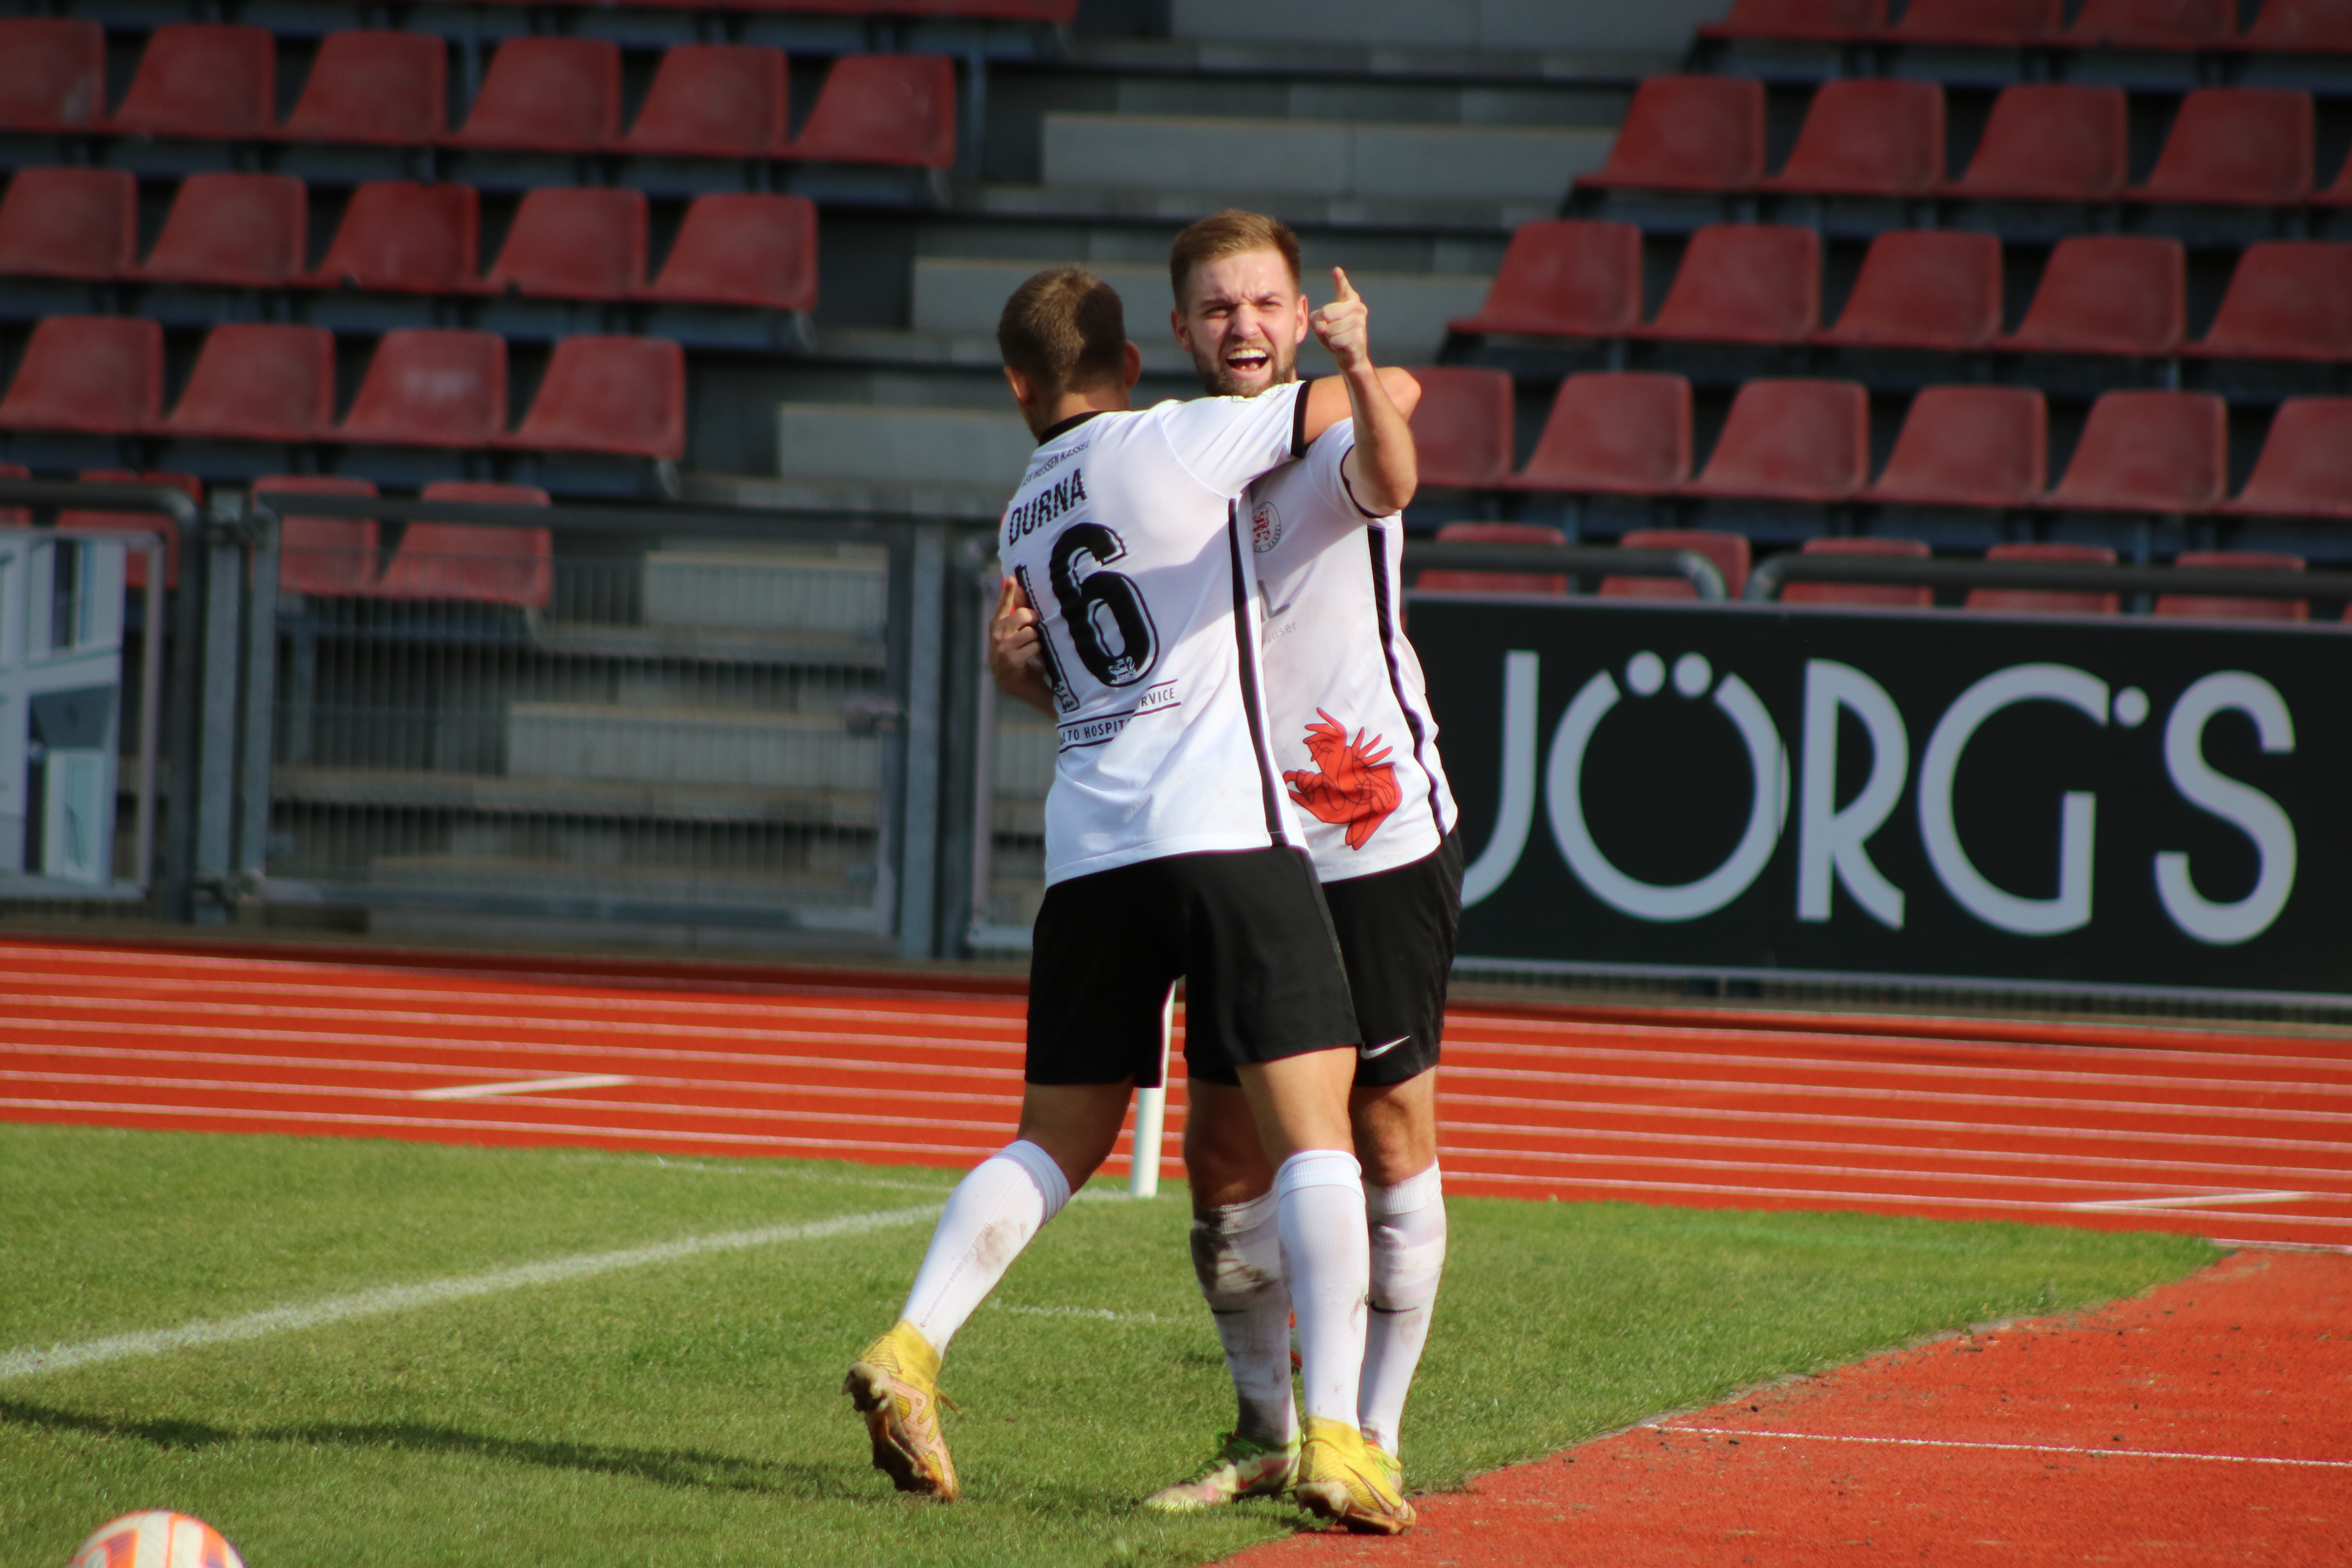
[{"x": 155, "y": 1538}]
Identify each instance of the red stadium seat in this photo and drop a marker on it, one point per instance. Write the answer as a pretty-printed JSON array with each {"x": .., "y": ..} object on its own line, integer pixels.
[
  {"x": 573, "y": 244},
  {"x": 551, "y": 95},
  {"x": 385, "y": 89},
  {"x": 2107, "y": 294},
  {"x": 1624, "y": 433},
  {"x": 260, "y": 383},
  {"x": 134, "y": 565},
  {"x": 1791, "y": 440},
  {"x": 52, "y": 73},
  {"x": 70, "y": 223},
  {"x": 715, "y": 100},
  {"x": 2305, "y": 468},
  {"x": 2149, "y": 451},
  {"x": 100, "y": 376},
  {"x": 1462, "y": 428},
  {"x": 2297, "y": 27},
  {"x": 1830, "y": 21},
  {"x": 2211, "y": 608},
  {"x": 2246, "y": 146},
  {"x": 1970, "y": 446},
  {"x": 2288, "y": 300},
  {"x": 1870, "y": 138},
  {"x": 625, "y": 396},
  {"x": 432, "y": 388},
  {"x": 2044, "y": 601},
  {"x": 1495, "y": 582},
  {"x": 2049, "y": 143},
  {"x": 1883, "y": 595},
  {"x": 403, "y": 237},
  {"x": 1924, "y": 289},
  {"x": 333, "y": 557},
  {"x": 473, "y": 564},
  {"x": 235, "y": 231},
  {"x": 758, "y": 251},
  {"x": 884, "y": 109},
  {"x": 2155, "y": 24},
  {"x": 1744, "y": 283},
  {"x": 1728, "y": 551},
  {"x": 1565, "y": 278},
  {"x": 202, "y": 78},
  {"x": 1992, "y": 22},
  {"x": 1688, "y": 134}
]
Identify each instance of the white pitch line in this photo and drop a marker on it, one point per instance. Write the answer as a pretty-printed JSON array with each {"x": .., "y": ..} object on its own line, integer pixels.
[
  {"x": 524, "y": 1086},
  {"x": 1099, "y": 1314},
  {"x": 32, "y": 1363},
  {"x": 2010, "y": 1448}
]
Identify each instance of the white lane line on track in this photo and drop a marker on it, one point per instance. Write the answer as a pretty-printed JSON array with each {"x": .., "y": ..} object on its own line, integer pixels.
[
  {"x": 505, "y": 1050},
  {"x": 997, "y": 1130},
  {"x": 524, "y": 1086},
  {"x": 32, "y": 1363},
  {"x": 2008, "y": 1447},
  {"x": 2199, "y": 1200},
  {"x": 504, "y": 1041}
]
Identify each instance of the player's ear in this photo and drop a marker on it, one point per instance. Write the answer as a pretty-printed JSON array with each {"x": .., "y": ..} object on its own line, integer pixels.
[
  {"x": 1298, "y": 327},
  {"x": 1133, "y": 370},
  {"x": 1182, "y": 328}
]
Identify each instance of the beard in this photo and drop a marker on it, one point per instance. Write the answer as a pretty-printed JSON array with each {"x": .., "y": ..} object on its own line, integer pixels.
[{"x": 1220, "y": 382}]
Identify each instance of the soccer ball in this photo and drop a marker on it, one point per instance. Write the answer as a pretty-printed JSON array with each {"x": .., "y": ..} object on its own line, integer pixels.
[{"x": 156, "y": 1539}]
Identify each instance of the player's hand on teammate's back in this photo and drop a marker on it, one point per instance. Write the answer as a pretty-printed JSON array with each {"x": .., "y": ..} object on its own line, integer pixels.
[
  {"x": 1344, "y": 326},
  {"x": 1012, "y": 645}
]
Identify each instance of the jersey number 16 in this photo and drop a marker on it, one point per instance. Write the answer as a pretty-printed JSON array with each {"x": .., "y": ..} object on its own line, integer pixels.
[{"x": 1109, "y": 625}]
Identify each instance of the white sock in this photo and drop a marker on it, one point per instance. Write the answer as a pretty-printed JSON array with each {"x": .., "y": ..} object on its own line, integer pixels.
[
  {"x": 1408, "y": 1236},
  {"x": 991, "y": 1216},
  {"x": 1237, "y": 1258},
  {"x": 1328, "y": 1256}
]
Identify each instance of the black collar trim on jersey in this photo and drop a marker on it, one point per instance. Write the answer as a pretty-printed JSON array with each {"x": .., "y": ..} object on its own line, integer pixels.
[
  {"x": 1055, "y": 432},
  {"x": 1298, "y": 420}
]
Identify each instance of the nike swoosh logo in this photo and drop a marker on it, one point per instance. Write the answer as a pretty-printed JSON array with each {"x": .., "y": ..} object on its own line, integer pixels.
[{"x": 1372, "y": 1051}]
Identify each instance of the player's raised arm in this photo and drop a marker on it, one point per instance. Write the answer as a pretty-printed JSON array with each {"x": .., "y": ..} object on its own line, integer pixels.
[
  {"x": 1014, "y": 639},
  {"x": 1382, "y": 470}
]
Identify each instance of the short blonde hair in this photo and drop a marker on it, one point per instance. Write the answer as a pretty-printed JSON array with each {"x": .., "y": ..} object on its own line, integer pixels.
[{"x": 1229, "y": 233}]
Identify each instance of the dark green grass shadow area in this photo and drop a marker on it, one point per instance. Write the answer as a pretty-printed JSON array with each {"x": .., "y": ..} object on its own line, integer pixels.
[{"x": 683, "y": 1468}]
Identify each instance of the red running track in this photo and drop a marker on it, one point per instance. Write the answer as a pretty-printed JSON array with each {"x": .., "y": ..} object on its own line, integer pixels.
[
  {"x": 2203, "y": 1423},
  {"x": 2241, "y": 1136}
]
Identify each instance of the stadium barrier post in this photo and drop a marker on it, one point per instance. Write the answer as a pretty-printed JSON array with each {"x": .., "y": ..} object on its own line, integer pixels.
[
  {"x": 1151, "y": 1114},
  {"x": 223, "y": 561}
]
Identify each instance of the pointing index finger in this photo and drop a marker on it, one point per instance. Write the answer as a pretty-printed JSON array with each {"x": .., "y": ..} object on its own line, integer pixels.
[{"x": 1346, "y": 291}]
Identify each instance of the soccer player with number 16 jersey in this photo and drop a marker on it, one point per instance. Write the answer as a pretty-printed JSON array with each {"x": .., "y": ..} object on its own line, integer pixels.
[{"x": 1171, "y": 851}]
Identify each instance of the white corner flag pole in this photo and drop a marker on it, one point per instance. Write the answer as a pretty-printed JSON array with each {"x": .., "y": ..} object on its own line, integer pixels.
[{"x": 1150, "y": 1113}]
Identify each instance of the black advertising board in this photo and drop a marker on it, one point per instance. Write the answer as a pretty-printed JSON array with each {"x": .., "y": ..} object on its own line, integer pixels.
[{"x": 2119, "y": 804}]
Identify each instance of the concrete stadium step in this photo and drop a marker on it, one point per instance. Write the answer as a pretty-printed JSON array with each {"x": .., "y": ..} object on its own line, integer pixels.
[
  {"x": 1565, "y": 26},
  {"x": 767, "y": 588},
  {"x": 497, "y": 794},
  {"x": 684, "y": 745},
  {"x": 959, "y": 295},
  {"x": 1332, "y": 161},
  {"x": 885, "y": 457}
]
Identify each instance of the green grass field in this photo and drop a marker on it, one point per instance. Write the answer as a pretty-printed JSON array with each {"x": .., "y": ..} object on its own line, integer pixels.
[{"x": 688, "y": 1413}]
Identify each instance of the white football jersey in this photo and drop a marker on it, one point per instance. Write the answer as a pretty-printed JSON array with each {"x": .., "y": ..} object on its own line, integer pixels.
[
  {"x": 1344, "y": 693},
  {"x": 1126, "y": 536}
]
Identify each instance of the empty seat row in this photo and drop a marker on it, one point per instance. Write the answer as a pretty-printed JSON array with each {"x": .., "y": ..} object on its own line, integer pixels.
[
  {"x": 2285, "y": 26},
  {"x": 103, "y": 375},
  {"x": 539, "y": 94},
  {"x": 1629, "y": 433},
  {"x": 250, "y": 231},
  {"x": 460, "y": 563},
  {"x": 2233, "y": 146},
  {"x": 1731, "y": 556},
  {"x": 1936, "y": 290}
]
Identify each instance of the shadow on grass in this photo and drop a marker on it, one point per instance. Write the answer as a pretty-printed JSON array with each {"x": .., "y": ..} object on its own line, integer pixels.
[{"x": 670, "y": 1468}]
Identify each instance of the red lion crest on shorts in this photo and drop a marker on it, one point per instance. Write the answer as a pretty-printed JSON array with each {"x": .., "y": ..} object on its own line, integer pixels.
[{"x": 1356, "y": 788}]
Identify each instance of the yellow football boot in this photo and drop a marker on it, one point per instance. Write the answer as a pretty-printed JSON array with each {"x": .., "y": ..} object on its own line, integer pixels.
[
  {"x": 1243, "y": 1467},
  {"x": 895, "y": 1384},
  {"x": 1343, "y": 1479}
]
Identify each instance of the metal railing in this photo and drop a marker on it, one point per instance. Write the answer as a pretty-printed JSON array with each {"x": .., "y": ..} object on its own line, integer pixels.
[{"x": 1770, "y": 576}]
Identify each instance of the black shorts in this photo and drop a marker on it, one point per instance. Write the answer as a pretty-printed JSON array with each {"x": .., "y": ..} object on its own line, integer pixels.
[
  {"x": 1396, "y": 937},
  {"x": 1247, "y": 931}
]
